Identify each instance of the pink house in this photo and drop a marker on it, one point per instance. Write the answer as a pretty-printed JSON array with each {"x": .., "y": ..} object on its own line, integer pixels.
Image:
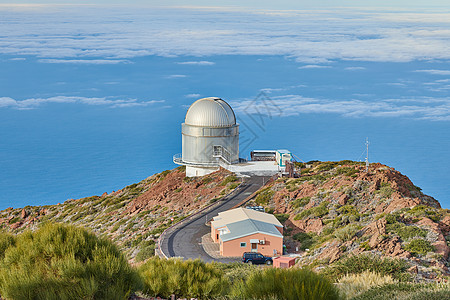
[{"x": 242, "y": 230}]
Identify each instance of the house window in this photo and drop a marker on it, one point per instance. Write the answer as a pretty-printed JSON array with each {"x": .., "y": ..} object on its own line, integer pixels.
[{"x": 243, "y": 245}]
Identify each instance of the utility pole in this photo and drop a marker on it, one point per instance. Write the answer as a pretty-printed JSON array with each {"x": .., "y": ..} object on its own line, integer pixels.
[{"x": 367, "y": 155}]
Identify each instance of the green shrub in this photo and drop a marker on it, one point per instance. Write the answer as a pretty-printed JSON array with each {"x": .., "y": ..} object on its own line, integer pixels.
[
  {"x": 285, "y": 284},
  {"x": 406, "y": 232},
  {"x": 385, "y": 190},
  {"x": 306, "y": 240},
  {"x": 346, "y": 233},
  {"x": 147, "y": 250},
  {"x": 282, "y": 217},
  {"x": 233, "y": 185},
  {"x": 235, "y": 272},
  {"x": 6, "y": 241},
  {"x": 189, "y": 279},
  {"x": 65, "y": 262},
  {"x": 419, "y": 246},
  {"x": 264, "y": 196},
  {"x": 300, "y": 202},
  {"x": 347, "y": 171},
  {"x": 407, "y": 291},
  {"x": 317, "y": 211},
  {"x": 14, "y": 220},
  {"x": 425, "y": 211},
  {"x": 228, "y": 179},
  {"x": 356, "y": 264},
  {"x": 207, "y": 180}
]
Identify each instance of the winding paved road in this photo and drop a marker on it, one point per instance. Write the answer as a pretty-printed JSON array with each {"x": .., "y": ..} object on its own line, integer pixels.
[{"x": 185, "y": 240}]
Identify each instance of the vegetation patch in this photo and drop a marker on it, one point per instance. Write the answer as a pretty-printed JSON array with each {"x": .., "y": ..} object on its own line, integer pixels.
[
  {"x": 187, "y": 279},
  {"x": 317, "y": 211},
  {"x": 275, "y": 283},
  {"x": 65, "y": 262},
  {"x": 264, "y": 196},
  {"x": 406, "y": 232},
  {"x": 385, "y": 190},
  {"x": 357, "y": 264},
  {"x": 300, "y": 202},
  {"x": 419, "y": 247},
  {"x": 306, "y": 240},
  {"x": 228, "y": 179}
]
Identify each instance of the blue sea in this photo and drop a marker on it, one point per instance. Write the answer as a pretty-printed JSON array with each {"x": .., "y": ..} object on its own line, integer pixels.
[{"x": 74, "y": 125}]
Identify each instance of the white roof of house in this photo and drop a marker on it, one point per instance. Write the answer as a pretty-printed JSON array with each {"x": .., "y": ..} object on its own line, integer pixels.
[
  {"x": 241, "y": 214},
  {"x": 247, "y": 227}
]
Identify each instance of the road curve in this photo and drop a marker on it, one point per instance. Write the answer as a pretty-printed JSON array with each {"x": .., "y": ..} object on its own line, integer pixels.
[{"x": 185, "y": 240}]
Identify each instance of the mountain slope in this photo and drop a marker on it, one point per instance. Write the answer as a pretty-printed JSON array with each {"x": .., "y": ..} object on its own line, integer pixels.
[{"x": 336, "y": 209}]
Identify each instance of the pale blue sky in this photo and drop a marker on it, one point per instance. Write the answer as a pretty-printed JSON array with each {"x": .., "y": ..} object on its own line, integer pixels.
[{"x": 282, "y": 4}]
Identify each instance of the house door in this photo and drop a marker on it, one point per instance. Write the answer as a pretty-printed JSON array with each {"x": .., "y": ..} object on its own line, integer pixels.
[{"x": 254, "y": 247}]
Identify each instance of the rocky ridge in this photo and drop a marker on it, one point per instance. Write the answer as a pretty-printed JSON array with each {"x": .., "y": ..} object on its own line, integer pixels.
[
  {"x": 134, "y": 216},
  {"x": 336, "y": 209},
  {"x": 333, "y": 210}
]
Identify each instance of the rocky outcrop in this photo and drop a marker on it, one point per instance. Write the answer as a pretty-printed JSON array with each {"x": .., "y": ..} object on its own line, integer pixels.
[{"x": 346, "y": 211}]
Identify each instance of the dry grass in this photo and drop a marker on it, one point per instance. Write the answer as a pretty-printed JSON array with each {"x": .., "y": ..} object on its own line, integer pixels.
[{"x": 352, "y": 285}]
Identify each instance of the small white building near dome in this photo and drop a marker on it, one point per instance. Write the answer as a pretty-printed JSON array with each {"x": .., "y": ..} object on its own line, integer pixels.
[{"x": 210, "y": 137}]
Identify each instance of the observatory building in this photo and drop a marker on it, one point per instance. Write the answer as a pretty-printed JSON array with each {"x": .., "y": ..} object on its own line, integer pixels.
[{"x": 210, "y": 137}]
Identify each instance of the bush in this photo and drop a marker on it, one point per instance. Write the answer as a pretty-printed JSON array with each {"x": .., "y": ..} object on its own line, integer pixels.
[
  {"x": 407, "y": 291},
  {"x": 300, "y": 202},
  {"x": 282, "y": 217},
  {"x": 189, "y": 279},
  {"x": 346, "y": 233},
  {"x": 306, "y": 240},
  {"x": 357, "y": 264},
  {"x": 385, "y": 190},
  {"x": 352, "y": 285},
  {"x": 147, "y": 250},
  {"x": 264, "y": 196},
  {"x": 228, "y": 179},
  {"x": 419, "y": 246},
  {"x": 317, "y": 211},
  {"x": 65, "y": 262},
  {"x": 6, "y": 241},
  {"x": 285, "y": 284},
  {"x": 406, "y": 232}
]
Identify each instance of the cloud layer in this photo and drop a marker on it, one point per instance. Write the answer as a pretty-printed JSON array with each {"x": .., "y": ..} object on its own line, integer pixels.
[
  {"x": 32, "y": 103},
  {"x": 112, "y": 34},
  {"x": 424, "y": 108}
]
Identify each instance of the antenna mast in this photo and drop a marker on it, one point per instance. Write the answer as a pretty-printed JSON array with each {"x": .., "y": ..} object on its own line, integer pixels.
[{"x": 367, "y": 155}]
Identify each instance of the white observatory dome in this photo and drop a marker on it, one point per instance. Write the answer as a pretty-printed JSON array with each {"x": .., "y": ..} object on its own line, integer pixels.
[{"x": 210, "y": 112}]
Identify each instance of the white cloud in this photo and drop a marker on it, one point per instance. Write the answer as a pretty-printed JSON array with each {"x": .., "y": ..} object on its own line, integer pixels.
[
  {"x": 18, "y": 58},
  {"x": 198, "y": 63},
  {"x": 434, "y": 72},
  {"x": 436, "y": 109},
  {"x": 314, "y": 67},
  {"x": 192, "y": 95},
  {"x": 7, "y": 102},
  {"x": 309, "y": 36},
  {"x": 354, "y": 68},
  {"x": 85, "y": 61},
  {"x": 175, "y": 76}
]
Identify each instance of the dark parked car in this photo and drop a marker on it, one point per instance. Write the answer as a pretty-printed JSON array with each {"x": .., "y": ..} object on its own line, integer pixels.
[{"x": 256, "y": 258}]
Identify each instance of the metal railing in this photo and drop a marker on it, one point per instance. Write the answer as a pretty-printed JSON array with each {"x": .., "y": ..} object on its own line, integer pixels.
[{"x": 223, "y": 153}]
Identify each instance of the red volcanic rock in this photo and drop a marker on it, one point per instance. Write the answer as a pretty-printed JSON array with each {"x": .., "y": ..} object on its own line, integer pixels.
[
  {"x": 23, "y": 214},
  {"x": 441, "y": 243},
  {"x": 375, "y": 231},
  {"x": 15, "y": 225},
  {"x": 310, "y": 225},
  {"x": 175, "y": 194}
]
